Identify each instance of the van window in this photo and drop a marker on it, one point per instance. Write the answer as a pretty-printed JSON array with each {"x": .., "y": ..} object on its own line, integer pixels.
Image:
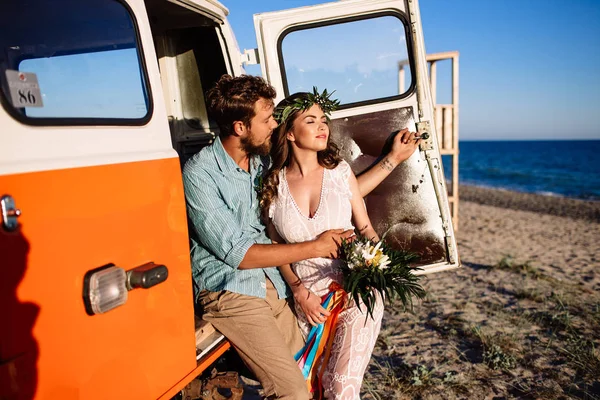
[
  {"x": 359, "y": 59},
  {"x": 68, "y": 61}
]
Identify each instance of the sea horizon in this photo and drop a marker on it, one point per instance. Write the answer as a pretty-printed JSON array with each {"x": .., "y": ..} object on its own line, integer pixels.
[{"x": 531, "y": 166}]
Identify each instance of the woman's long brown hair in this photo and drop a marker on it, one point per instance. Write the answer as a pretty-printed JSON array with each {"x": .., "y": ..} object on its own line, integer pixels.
[{"x": 281, "y": 153}]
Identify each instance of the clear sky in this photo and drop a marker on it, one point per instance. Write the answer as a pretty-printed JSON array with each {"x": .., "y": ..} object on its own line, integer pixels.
[{"x": 529, "y": 69}]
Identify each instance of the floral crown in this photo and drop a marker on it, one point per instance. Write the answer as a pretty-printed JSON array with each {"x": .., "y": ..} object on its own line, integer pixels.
[{"x": 324, "y": 101}]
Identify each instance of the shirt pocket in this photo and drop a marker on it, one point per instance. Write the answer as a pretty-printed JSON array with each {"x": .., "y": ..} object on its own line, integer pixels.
[{"x": 235, "y": 201}]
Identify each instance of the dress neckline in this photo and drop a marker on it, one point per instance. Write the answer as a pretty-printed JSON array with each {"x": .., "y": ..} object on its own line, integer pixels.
[{"x": 287, "y": 187}]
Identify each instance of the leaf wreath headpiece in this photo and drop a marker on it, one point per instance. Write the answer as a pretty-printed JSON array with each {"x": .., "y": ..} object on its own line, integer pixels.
[{"x": 282, "y": 112}]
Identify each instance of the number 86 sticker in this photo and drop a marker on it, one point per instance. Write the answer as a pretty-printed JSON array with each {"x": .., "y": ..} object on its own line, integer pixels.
[{"x": 24, "y": 89}]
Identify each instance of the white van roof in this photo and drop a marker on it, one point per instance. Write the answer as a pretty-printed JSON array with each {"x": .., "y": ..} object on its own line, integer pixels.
[{"x": 215, "y": 7}]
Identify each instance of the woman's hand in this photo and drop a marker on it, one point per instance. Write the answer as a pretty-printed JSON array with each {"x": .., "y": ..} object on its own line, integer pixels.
[
  {"x": 404, "y": 145},
  {"x": 310, "y": 304}
]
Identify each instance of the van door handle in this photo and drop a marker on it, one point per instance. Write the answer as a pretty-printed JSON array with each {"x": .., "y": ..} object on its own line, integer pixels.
[
  {"x": 147, "y": 275},
  {"x": 10, "y": 213}
]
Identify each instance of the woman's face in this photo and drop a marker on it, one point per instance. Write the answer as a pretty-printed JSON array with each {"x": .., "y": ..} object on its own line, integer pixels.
[{"x": 310, "y": 130}]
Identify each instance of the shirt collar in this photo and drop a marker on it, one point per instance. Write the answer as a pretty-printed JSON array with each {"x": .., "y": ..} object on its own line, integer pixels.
[{"x": 226, "y": 163}]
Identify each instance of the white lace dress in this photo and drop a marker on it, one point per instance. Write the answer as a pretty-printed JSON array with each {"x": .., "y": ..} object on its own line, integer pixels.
[{"x": 354, "y": 340}]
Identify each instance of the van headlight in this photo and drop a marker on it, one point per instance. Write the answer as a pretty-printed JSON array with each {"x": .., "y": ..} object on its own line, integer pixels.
[{"x": 104, "y": 288}]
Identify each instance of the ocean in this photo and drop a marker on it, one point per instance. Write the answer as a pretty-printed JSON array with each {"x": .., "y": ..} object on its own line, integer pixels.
[{"x": 553, "y": 168}]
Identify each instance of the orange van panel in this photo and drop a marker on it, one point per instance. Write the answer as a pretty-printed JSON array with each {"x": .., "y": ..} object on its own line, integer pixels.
[{"x": 72, "y": 221}]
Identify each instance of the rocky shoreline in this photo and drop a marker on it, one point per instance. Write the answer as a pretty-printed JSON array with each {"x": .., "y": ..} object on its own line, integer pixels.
[{"x": 553, "y": 205}]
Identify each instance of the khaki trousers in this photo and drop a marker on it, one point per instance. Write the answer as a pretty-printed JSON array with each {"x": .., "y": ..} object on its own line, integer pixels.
[{"x": 265, "y": 333}]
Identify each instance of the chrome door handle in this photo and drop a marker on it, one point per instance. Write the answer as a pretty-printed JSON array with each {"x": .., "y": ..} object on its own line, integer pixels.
[{"x": 10, "y": 213}]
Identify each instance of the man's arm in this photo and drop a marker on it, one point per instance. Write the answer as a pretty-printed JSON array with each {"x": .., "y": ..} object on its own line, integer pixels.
[
  {"x": 219, "y": 231},
  {"x": 403, "y": 147},
  {"x": 269, "y": 255},
  {"x": 309, "y": 302}
]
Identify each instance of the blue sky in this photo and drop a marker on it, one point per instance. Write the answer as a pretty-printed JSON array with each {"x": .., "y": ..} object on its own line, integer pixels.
[
  {"x": 529, "y": 69},
  {"x": 104, "y": 96}
]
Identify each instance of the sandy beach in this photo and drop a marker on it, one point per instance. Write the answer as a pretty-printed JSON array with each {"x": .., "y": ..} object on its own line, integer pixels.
[{"x": 520, "y": 319}]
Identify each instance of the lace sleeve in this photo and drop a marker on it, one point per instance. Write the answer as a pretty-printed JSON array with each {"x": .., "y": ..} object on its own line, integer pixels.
[
  {"x": 271, "y": 210},
  {"x": 276, "y": 201}
]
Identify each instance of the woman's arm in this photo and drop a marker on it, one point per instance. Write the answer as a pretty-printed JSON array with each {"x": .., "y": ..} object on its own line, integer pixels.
[
  {"x": 309, "y": 302},
  {"x": 403, "y": 147},
  {"x": 361, "y": 219}
]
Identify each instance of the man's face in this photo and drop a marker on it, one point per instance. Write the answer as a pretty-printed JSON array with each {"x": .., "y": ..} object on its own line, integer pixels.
[{"x": 258, "y": 138}]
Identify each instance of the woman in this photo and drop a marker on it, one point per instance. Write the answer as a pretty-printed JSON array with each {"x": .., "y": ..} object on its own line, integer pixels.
[{"x": 308, "y": 190}]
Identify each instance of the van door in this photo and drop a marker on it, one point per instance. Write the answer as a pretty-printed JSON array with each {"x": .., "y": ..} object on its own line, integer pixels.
[
  {"x": 357, "y": 48},
  {"x": 88, "y": 178}
]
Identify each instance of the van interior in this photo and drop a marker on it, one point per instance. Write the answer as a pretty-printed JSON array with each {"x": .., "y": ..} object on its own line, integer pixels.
[{"x": 191, "y": 60}]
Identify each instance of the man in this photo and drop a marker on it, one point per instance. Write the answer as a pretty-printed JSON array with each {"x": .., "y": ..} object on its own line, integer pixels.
[{"x": 234, "y": 264}]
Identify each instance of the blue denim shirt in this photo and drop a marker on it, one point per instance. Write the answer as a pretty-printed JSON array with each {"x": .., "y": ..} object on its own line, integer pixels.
[{"x": 224, "y": 222}]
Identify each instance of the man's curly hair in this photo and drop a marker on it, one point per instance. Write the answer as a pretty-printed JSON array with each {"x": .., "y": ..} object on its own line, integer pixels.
[{"x": 232, "y": 99}]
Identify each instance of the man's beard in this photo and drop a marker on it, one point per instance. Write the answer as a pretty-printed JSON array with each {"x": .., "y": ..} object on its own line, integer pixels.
[{"x": 252, "y": 148}]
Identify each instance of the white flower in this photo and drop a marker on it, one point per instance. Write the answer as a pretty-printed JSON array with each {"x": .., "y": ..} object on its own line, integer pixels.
[
  {"x": 360, "y": 250},
  {"x": 384, "y": 262},
  {"x": 367, "y": 254},
  {"x": 374, "y": 250},
  {"x": 372, "y": 254}
]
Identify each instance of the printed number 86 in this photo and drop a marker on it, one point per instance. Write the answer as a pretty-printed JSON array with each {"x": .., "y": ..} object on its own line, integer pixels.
[{"x": 26, "y": 98}]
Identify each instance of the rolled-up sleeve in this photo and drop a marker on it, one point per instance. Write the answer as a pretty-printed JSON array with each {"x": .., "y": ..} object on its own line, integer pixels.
[{"x": 211, "y": 219}]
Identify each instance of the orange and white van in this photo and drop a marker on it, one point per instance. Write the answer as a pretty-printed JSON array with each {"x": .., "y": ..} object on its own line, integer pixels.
[{"x": 102, "y": 103}]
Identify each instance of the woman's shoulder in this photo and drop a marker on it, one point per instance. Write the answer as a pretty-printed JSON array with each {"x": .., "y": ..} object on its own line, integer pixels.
[
  {"x": 281, "y": 191},
  {"x": 343, "y": 169}
]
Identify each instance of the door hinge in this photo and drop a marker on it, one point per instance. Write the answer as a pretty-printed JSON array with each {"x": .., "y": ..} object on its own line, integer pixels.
[{"x": 250, "y": 57}]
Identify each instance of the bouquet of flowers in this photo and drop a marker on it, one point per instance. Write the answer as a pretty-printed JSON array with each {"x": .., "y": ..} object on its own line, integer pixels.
[{"x": 370, "y": 267}]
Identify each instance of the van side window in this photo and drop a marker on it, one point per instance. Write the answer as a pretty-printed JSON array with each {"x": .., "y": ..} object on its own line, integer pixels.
[
  {"x": 72, "y": 62},
  {"x": 357, "y": 58}
]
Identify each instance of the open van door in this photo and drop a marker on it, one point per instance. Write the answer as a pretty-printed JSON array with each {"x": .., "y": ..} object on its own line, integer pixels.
[{"x": 356, "y": 48}]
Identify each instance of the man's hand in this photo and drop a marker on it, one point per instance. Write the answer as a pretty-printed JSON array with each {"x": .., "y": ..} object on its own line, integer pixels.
[
  {"x": 327, "y": 243},
  {"x": 404, "y": 145},
  {"x": 310, "y": 304}
]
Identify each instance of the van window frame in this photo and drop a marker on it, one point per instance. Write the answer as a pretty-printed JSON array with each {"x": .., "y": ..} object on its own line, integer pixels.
[
  {"x": 79, "y": 121},
  {"x": 409, "y": 48}
]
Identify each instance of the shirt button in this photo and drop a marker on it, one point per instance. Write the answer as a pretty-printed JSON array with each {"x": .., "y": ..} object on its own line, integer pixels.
[{"x": 263, "y": 285}]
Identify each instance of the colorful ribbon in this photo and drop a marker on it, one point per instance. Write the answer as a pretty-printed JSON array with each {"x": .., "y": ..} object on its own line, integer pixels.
[{"x": 319, "y": 341}]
